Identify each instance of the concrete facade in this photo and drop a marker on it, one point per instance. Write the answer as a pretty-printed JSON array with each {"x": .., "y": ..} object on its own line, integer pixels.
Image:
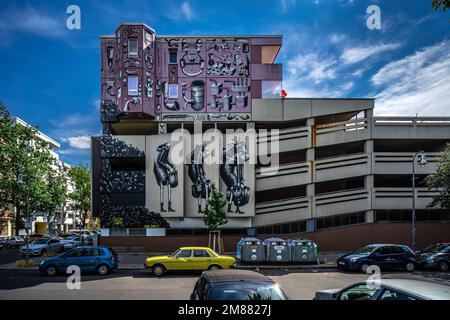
[{"x": 339, "y": 164}]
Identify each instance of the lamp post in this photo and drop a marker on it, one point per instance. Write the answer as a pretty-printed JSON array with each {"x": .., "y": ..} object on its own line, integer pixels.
[
  {"x": 20, "y": 182},
  {"x": 422, "y": 161}
]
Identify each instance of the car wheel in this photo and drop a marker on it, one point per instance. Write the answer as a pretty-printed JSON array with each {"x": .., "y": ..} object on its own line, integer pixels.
[
  {"x": 410, "y": 267},
  {"x": 158, "y": 270},
  {"x": 443, "y": 266},
  {"x": 43, "y": 252},
  {"x": 364, "y": 267},
  {"x": 214, "y": 267},
  {"x": 51, "y": 271},
  {"x": 8, "y": 246},
  {"x": 102, "y": 270}
]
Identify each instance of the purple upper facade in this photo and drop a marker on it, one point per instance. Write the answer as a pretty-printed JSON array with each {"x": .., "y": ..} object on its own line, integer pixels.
[{"x": 155, "y": 76}]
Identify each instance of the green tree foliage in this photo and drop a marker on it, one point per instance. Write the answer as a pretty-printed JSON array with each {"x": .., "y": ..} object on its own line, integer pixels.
[
  {"x": 440, "y": 182},
  {"x": 81, "y": 195},
  {"x": 215, "y": 214},
  {"x": 444, "y": 4},
  {"x": 26, "y": 168}
]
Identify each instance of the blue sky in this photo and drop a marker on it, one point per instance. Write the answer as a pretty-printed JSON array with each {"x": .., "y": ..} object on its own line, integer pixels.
[{"x": 51, "y": 74}]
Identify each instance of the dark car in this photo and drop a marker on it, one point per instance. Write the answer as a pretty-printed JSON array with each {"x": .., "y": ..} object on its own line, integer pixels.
[
  {"x": 385, "y": 256},
  {"x": 233, "y": 284},
  {"x": 436, "y": 256},
  {"x": 388, "y": 289},
  {"x": 100, "y": 259}
]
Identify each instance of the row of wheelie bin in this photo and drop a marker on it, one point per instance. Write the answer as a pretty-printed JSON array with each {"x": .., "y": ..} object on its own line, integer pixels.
[{"x": 277, "y": 250}]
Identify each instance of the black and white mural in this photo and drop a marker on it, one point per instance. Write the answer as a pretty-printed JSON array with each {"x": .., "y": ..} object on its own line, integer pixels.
[
  {"x": 164, "y": 179},
  {"x": 166, "y": 175},
  {"x": 232, "y": 172}
]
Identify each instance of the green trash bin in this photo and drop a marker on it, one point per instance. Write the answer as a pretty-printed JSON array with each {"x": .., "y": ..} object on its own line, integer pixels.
[{"x": 304, "y": 251}]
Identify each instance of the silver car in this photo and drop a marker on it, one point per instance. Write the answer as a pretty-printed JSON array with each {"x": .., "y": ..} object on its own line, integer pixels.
[
  {"x": 71, "y": 242},
  {"x": 13, "y": 242},
  {"x": 388, "y": 289},
  {"x": 43, "y": 246}
]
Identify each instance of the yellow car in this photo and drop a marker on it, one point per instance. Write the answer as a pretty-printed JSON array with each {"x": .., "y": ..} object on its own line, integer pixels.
[{"x": 189, "y": 258}]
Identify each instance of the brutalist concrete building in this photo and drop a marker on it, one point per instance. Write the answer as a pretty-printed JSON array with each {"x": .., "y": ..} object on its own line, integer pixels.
[{"x": 343, "y": 176}]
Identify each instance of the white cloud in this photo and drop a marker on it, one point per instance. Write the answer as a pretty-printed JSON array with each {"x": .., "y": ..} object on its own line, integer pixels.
[
  {"x": 80, "y": 142},
  {"x": 336, "y": 38},
  {"x": 187, "y": 11},
  {"x": 287, "y": 4},
  {"x": 312, "y": 67},
  {"x": 418, "y": 83},
  {"x": 29, "y": 19},
  {"x": 354, "y": 55}
]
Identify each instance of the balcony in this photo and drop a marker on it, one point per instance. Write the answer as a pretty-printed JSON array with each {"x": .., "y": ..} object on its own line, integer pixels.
[
  {"x": 289, "y": 139},
  {"x": 342, "y": 132},
  {"x": 342, "y": 202},
  {"x": 342, "y": 167},
  {"x": 411, "y": 128},
  {"x": 287, "y": 175},
  {"x": 285, "y": 210},
  {"x": 401, "y": 163},
  {"x": 401, "y": 198}
]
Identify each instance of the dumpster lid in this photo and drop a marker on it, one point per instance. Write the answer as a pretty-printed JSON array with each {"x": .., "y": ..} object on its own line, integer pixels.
[
  {"x": 269, "y": 240},
  {"x": 252, "y": 239}
]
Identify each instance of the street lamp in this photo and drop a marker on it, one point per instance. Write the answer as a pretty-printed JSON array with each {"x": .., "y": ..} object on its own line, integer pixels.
[
  {"x": 21, "y": 182},
  {"x": 422, "y": 161}
]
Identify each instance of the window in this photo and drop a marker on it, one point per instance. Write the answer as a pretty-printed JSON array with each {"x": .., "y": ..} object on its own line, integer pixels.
[
  {"x": 184, "y": 254},
  {"x": 133, "y": 83},
  {"x": 201, "y": 254},
  {"x": 383, "y": 251},
  {"x": 132, "y": 47},
  {"x": 271, "y": 89},
  {"x": 358, "y": 292},
  {"x": 73, "y": 254},
  {"x": 396, "y": 250},
  {"x": 173, "y": 91},
  {"x": 173, "y": 57},
  {"x": 393, "y": 295}
]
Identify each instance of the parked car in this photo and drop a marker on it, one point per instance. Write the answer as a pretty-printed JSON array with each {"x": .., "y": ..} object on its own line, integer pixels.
[
  {"x": 71, "y": 242},
  {"x": 234, "y": 284},
  {"x": 436, "y": 256},
  {"x": 386, "y": 256},
  {"x": 189, "y": 258},
  {"x": 388, "y": 289},
  {"x": 100, "y": 259},
  {"x": 13, "y": 242},
  {"x": 2, "y": 243},
  {"x": 42, "y": 246}
]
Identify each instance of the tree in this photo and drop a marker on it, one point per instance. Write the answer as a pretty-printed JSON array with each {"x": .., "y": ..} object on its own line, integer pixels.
[
  {"x": 56, "y": 192},
  {"x": 215, "y": 213},
  {"x": 440, "y": 182},
  {"x": 81, "y": 194},
  {"x": 445, "y": 4},
  {"x": 215, "y": 216},
  {"x": 25, "y": 161}
]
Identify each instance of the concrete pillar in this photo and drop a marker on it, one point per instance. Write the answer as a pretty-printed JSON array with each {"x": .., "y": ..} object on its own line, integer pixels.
[{"x": 370, "y": 216}]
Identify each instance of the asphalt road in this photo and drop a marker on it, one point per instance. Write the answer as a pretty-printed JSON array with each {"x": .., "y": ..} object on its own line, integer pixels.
[{"x": 139, "y": 284}]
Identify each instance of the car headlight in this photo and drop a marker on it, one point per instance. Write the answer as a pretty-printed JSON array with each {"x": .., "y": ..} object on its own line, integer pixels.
[
  {"x": 42, "y": 262},
  {"x": 431, "y": 258},
  {"x": 354, "y": 259}
]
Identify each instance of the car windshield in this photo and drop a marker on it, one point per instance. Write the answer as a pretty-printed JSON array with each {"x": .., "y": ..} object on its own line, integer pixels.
[
  {"x": 175, "y": 253},
  {"x": 436, "y": 248},
  {"x": 246, "y": 291},
  {"x": 366, "y": 250},
  {"x": 44, "y": 241}
]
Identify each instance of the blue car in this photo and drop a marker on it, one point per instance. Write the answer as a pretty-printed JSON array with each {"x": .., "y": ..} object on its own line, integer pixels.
[
  {"x": 386, "y": 256},
  {"x": 99, "y": 259}
]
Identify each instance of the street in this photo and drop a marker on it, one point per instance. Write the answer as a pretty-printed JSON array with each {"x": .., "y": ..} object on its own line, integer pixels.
[{"x": 139, "y": 284}]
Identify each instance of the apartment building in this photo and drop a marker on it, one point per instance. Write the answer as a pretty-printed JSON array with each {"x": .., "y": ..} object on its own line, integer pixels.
[
  {"x": 343, "y": 176},
  {"x": 64, "y": 219}
]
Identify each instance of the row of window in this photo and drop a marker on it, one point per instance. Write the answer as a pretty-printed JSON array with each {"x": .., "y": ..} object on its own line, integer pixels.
[{"x": 406, "y": 215}]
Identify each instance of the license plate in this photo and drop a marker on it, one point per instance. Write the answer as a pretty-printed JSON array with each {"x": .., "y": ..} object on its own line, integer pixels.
[
  {"x": 341, "y": 263},
  {"x": 279, "y": 248}
]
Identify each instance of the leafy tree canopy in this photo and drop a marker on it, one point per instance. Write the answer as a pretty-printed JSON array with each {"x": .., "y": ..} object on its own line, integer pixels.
[
  {"x": 440, "y": 182},
  {"x": 215, "y": 214}
]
